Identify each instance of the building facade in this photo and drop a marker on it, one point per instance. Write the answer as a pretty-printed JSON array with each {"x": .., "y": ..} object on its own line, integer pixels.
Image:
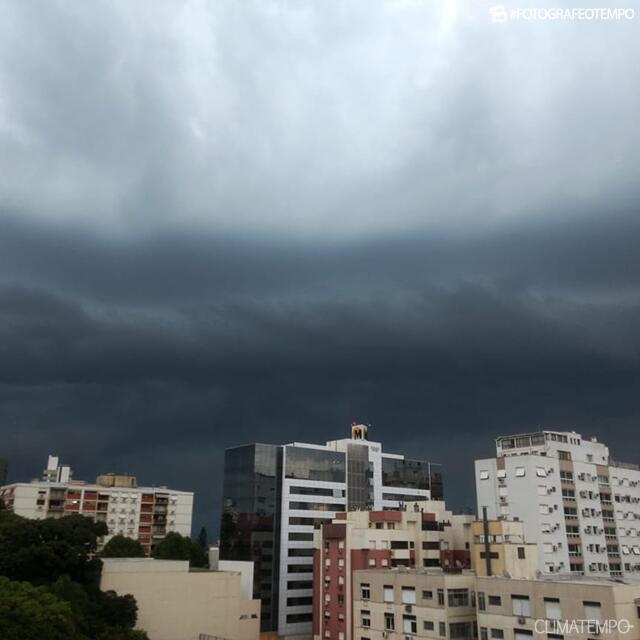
[
  {"x": 556, "y": 608},
  {"x": 146, "y": 514},
  {"x": 423, "y": 535},
  {"x": 274, "y": 496},
  {"x": 407, "y": 603},
  {"x": 176, "y": 603},
  {"x": 578, "y": 505}
]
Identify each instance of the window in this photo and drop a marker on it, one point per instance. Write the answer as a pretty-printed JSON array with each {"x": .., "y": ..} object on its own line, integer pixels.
[
  {"x": 521, "y": 606},
  {"x": 441, "y": 597},
  {"x": 458, "y": 597},
  {"x": 483, "y": 633},
  {"x": 389, "y": 622},
  {"x": 460, "y": 630},
  {"x": 388, "y": 593},
  {"x": 408, "y": 595},
  {"x": 372, "y": 562},
  {"x": 564, "y": 455},
  {"x": 497, "y": 633},
  {"x": 520, "y": 472},
  {"x": 442, "y": 629},
  {"x": 541, "y": 472},
  {"x": 427, "y": 595},
  {"x": 484, "y": 475},
  {"x": 522, "y": 634},
  {"x": 409, "y": 624},
  {"x": 501, "y": 473},
  {"x": 365, "y": 591},
  {"x": 495, "y": 601},
  {"x": 427, "y": 625},
  {"x": 365, "y": 618},
  {"x": 592, "y": 611},
  {"x": 521, "y": 555},
  {"x": 481, "y": 601},
  {"x": 293, "y": 618},
  {"x": 552, "y": 609}
]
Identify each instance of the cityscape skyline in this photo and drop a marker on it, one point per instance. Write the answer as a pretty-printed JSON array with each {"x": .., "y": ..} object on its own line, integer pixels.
[{"x": 219, "y": 222}]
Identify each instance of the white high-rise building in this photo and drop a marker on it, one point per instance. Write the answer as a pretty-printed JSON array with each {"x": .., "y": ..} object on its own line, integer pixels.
[
  {"x": 580, "y": 506},
  {"x": 275, "y": 495}
]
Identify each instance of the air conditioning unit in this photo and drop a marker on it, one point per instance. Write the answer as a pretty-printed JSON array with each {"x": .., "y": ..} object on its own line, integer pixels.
[{"x": 522, "y": 620}]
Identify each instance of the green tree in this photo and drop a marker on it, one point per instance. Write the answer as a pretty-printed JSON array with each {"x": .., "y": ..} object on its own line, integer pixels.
[
  {"x": 202, "y": 538},
  {"x": 33, "y": 613},
  {"x": 96, "y": 612},
  {"x": 40, "y": 551},
  {"x": 8, "y": 519},
  {"x": 60, "y": 555},
  {"x": 177, "y": 547},
  {"x": 122, "y": 547}
]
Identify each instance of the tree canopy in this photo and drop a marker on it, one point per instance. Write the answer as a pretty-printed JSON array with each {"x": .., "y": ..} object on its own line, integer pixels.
[
  {"x": 177, "y": 547},
  {"x": 122, "y": 547},
  {"x": 50, "y": 583},
  {"x": 33, "y": 613}
]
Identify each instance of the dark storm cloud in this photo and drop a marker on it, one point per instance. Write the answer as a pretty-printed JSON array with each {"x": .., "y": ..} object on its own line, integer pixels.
[
  {"x": 470, "y": 337},
  {"x": 222, "y": 223}
]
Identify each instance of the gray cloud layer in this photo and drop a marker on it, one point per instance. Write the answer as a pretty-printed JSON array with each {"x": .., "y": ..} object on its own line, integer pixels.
[{"x": 222, "y": 223}]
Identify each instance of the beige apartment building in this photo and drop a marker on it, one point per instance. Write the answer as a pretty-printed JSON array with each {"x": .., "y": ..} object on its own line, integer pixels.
[
  {"x": 423, "y": 535},
  {"x": 557, "y": 608},
  {"x": 499, "y": 549},
  {"x": 146, "y": 514},
  {"x": 428, "y": 603},
  {"x": 177, "y": 603}
]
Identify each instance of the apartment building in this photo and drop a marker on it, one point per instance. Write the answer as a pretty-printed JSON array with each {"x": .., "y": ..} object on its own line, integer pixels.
[
  {"x": 274, "y": 496},
  {"x": 556, "y": 607},
  {"x": 580, "y": 507},
  {"x": 422, "y": 535},
  {"x": 146, "y": 514},
  {"x": 410, "y": 603}
]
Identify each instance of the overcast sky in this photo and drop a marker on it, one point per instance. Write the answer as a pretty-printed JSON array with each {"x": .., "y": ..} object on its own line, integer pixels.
[{"x": 225, "y": 222}]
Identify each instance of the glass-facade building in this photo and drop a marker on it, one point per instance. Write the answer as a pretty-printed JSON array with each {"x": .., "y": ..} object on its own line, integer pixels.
[
  {"x": 250, "y": 519},
  {"x": 274, "y": 497}
]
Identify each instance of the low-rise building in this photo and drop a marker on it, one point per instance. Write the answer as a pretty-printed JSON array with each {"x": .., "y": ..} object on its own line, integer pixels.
[
  {"x": 557, "y": 608},
  {"x": 179, "y": 603},
  {"x": 146, "y": 514}
]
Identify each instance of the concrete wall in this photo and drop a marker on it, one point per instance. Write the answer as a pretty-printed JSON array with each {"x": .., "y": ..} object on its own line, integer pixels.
[{"x": 177, "y": 604}]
